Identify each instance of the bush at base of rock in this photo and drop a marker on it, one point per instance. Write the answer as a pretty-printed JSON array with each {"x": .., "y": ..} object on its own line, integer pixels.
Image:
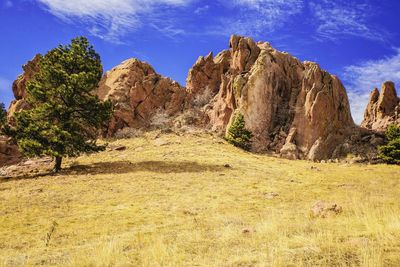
[
  {"x": 238, "y": 135},
  {"x": 204, "y": 98},
  {"x": 160, "y": 120},
  {"x": 128, "y": 132},
  {"x": 189, "y": 117},
  {"x": 3, "y": 114},
  {"x": 390, "y": 153}
]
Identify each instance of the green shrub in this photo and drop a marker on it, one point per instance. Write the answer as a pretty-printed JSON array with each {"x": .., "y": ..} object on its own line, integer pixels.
[
  {"x": 390, "y": 153},
  {"x": 393, "y": 132},
  {"x": 3, "y": 115},
  {"x": 4, "y": 126},
  {"x": 237, "y": 133}
]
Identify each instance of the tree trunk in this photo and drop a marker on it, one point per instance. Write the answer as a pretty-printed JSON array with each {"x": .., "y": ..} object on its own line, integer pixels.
[{"x": 57, "y": 165}]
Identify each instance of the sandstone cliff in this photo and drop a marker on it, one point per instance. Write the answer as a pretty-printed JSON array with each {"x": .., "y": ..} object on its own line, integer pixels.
[
  {"x": 383, "y": 108},
  {"x": 19, "y": 86},
  {"x": 293, "y": 108},
  {"x": 138, "y": 92}
]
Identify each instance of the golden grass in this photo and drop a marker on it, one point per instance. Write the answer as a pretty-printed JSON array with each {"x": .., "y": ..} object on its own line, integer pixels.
[{"x": 176, "y": 204}]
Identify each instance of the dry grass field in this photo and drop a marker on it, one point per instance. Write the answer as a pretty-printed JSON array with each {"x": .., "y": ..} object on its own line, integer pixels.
[{"x": 197, "y": 201}]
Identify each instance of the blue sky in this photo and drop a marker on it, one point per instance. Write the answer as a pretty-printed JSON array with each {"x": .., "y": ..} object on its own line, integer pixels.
[{"x": 357, "y": 40}]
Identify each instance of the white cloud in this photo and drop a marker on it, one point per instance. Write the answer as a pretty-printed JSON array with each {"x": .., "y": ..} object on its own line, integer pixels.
[
  {"x": 362, "y": 78},
  {"x": 113, "y": 19},
  {"x": 255, "y": 17},
  {"x": 107, "y": 19},
  {"x": 201, "y": 10},
  {"x": 338, "y": 19}
]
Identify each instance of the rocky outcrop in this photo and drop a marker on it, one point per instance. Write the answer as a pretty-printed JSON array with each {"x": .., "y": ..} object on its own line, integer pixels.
[
  {"x": 293, "y": 108},
  {"x": 136, "y": 90},
  {"x": 137, "y": 93},
  {"x": 206, "y": 73},
  {"x": 9, "y": 153},
  {"x": 383, "y": 108},
  {"x": 19, "y": 86}
]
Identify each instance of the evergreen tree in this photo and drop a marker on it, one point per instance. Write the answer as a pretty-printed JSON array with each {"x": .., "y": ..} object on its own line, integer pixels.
[
  {"x": 237, "y": 133},
  {"x": 3, "y": 116},
  {"x": 390, "y": 153},
  {"x": 65, "y": 116},
  {"x": 4, "y": 126}
]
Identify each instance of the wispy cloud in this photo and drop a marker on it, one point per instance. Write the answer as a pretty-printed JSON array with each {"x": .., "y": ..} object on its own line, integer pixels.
[
  {"x": 253, "y": 17},
  {"x": 340, "y": 19},
  {"x": 362, "y": 78},
  {"x": 112, "y": 20},
  {"x": 108, "y": 19},
  {"x": 201, "y": 10}
]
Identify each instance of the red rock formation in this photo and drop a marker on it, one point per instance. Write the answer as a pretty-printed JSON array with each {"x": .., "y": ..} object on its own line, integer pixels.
[
  {"x": 293, "y": 108},
  {"x": 138, "y": 92},
  {"x": 383, "y": 108},
  {"x": 19, "y": 86},
  {"x": 278, "y": 96},
  {"x": 9, "y": 153}
]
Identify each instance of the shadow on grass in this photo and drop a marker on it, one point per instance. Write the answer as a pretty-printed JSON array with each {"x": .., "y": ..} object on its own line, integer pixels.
[{"x": 121, "y": 167}]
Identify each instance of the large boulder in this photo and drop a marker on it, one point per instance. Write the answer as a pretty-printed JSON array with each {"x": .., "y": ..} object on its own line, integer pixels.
[
  {"x": 9, "y": 153},
  {"x": 290, "y": 106},
  {"x": 19, "y": 86},
  {"x": 383, "y": 108},
  {"x": 137, "y": 93}
]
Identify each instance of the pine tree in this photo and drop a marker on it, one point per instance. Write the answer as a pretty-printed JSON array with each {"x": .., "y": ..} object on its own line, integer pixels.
[
  {"x": 3, "y": 116},
  {"x": 4, "y": 126},
  {"x": 390, "y": 153},
  {"x": 237, "y": 133},
  {"x": 65, "y": 116}
]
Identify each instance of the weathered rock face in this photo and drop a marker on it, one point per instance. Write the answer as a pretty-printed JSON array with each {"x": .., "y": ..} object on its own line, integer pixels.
[
  {"x": 383, "y": 108},
  {"x": 9, "y": 153},
  {"x": 138, "y": 92},
  {"x": 291, "y": 107},
  {"x": 19, "y": 86}
]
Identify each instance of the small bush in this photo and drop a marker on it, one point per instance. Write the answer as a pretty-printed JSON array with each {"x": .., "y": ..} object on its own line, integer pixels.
[
  {"x": 204, "y": 98},
  {"x": 3, "y": 119},
  {"x": 188, "y": 117},
  {"x": 160, "y": 119},
  {"x": 237, "y": 133},
  {"x": 393, "y": 132},
  {"x": 127, "y": 133},
  {"x": 3, "y": 114},
  {"x": 390, "y": 153}
]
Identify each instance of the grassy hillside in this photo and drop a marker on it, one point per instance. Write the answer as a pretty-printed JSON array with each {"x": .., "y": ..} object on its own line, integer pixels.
[{"x": 197, "y": 201}]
